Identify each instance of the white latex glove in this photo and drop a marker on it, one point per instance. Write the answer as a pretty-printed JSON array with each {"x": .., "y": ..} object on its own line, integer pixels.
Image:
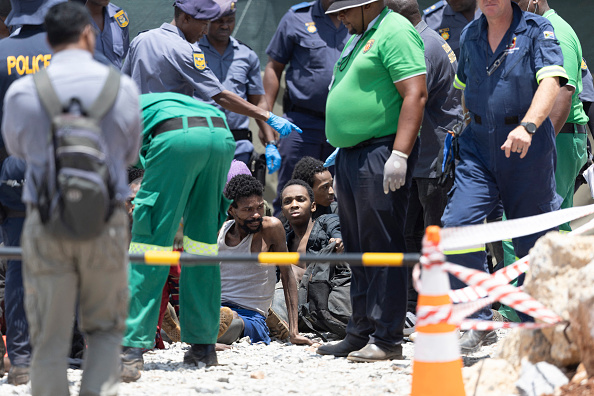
[{"x": 395, "y": 171}]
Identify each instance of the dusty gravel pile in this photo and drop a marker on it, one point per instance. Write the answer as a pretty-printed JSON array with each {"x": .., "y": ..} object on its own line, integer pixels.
[{"x": 265, "y": 370}]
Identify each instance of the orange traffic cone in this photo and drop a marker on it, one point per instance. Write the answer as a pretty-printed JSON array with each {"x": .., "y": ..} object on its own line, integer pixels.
[{"x": 437, "y": 366}]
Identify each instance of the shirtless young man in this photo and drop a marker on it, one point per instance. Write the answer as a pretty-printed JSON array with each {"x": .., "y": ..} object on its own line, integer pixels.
[{"x": 248, "y": 288}]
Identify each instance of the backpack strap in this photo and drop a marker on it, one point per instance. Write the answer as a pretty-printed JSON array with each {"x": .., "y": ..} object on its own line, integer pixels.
[
  {"x": 107, "y": 96},
  {"x": 47, "y": 94}
]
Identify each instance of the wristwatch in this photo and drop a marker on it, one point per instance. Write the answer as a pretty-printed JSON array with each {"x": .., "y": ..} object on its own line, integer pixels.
[
  {"x": 273, "y": 142},
  {"x": 530, "y": 127}
]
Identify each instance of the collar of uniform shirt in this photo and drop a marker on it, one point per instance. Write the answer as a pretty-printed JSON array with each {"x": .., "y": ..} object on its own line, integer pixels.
[{"x": 370, "y": 26}]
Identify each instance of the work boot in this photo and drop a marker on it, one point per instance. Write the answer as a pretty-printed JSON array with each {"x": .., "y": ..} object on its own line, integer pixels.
[
  {"x": 170, "y": 324},
  {"x": 279, "y": 329},
  {"x": 201, "y": 353},
  {"x": 132, "y": 364},
  {"x": 226, "y": 317},
  {"x": 18, "y": 375},
  {"x": 373, "y": 353},
  {"x": 341, "y": 349},
  {"x": 472, "y": 340}
]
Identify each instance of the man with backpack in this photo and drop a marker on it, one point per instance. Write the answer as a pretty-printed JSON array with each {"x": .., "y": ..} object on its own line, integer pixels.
[{"x": 97, "y": 110}]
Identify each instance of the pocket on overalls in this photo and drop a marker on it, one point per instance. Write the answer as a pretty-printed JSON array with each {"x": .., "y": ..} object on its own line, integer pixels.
[{"x": 143, "y": 209}]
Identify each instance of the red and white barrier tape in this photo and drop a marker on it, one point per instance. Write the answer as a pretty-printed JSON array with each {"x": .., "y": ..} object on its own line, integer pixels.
[
  {"x": 503, "y": 292},
  {"x": 505, "y": 275},
  {"x": 487, "y": 325}
]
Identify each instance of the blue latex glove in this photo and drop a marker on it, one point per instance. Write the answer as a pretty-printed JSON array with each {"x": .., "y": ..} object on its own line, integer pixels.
[
  {"x": 273, "y": 158},
  {"x": 331, "y": 160},
  {"x": 281, "y": 125}
]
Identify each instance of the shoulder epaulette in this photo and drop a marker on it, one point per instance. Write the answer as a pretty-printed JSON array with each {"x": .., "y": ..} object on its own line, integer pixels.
[
  {"x": 434, "y": 7},
  {"x": 302, "y": 6},
  {"x": 242, "y": 43}
]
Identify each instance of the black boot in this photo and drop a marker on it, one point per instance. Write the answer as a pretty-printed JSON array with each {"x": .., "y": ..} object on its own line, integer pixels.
[
  {"x": 132, "y": 364},
  {"x": 201, "y": 353},
  {"x": 472, "y": 340},
  {"x": 341, "y": 349}
]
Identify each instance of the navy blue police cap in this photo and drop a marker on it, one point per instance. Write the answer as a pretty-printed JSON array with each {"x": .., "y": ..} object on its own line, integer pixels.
[
  {"x": 199, "y": 9},
  {"x": 29, "y": 12},
  {"x": 227, "y": 7}
]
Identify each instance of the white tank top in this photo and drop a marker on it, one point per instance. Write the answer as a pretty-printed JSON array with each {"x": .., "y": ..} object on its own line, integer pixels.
[{"x": 247, "y": 285}]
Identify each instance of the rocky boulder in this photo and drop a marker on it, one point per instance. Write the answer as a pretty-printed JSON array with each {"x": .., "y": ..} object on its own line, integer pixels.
[{"x": 561, "y": 276}]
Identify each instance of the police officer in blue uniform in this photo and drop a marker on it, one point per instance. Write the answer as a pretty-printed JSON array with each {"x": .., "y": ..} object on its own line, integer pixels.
[
  {"x": 237, "y": 67},
  {"x": 167, "y": 60},
  {"x": 510, "y": 70},
  {"x": 21, "y": 54},
  {"x": 111, "y": 22},
  {"x": 310, "y": 42},
  {"x": 449, "y": 17},
  {"x": 443, "y": 110}
]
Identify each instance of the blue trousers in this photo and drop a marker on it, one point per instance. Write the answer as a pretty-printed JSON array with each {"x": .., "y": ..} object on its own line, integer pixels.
[
  {"x": 485, "y": 179},
  {"x": 17, "y": 327},
  {"x": 372, "y": 221}
]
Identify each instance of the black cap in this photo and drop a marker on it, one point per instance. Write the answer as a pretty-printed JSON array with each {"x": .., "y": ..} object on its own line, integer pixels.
[{"x": 340, "y": 5}]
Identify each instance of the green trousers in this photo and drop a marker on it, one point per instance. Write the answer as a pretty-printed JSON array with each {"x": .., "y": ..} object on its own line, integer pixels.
[
  {"x": 571, "y": 156},
  {"x": 185, "y": 173}
]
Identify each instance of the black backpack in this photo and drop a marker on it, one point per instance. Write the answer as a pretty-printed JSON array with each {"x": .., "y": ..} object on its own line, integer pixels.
[
  {"x": 79, "y": 202},
  {"x": 325, "y": 296}
]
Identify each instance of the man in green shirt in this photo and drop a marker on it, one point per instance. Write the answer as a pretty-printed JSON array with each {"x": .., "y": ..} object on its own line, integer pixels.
[
  {"x": 568, "y": 116},
  {"x": 373, "y": 113}
]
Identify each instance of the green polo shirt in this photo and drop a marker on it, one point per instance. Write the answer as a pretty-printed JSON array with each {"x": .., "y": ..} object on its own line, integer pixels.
[
  {"x": 572, "y": 61},
  {"x": 363, "y": 102}
]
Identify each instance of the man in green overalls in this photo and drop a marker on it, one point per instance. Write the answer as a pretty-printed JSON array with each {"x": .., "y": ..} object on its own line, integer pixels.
[{"x": 186, "y": 151}]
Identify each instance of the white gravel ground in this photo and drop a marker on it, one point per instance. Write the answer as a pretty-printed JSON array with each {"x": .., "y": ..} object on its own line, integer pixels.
[{"x": 280, "y": 368}]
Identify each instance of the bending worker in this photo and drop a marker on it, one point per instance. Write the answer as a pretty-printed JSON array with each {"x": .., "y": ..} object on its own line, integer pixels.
[{"x": 186, "y": 151}]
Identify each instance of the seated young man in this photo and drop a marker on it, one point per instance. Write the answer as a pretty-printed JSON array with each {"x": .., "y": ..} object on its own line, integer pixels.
[
  {"x": 305, "y": 236},
  {"x": 298, "y": 206},
  {"x": 248, "y": 288}
]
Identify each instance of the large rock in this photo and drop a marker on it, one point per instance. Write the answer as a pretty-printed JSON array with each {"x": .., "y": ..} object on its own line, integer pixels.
[
  {"x": 560, "y": 276},
  {"x": 520, "y": 344},
  {"x": 540, "y": 379},
  {"x": 490, "y": 377},
  {"x": 581, "y": 316}
]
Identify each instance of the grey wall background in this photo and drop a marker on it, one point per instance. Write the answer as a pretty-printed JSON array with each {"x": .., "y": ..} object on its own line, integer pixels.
[{"x": 257, "y": 19}]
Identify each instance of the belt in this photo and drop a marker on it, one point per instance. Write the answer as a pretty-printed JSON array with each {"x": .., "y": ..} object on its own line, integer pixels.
[
  {"x": 513, "y": 120},
  {"x": 173, "y": 124},
  {"x": 241, "y": 134},
  {"x": 369, "y": 142},
  {"x": 573, "y": 128},
  {"x": 299, "y": 109}
]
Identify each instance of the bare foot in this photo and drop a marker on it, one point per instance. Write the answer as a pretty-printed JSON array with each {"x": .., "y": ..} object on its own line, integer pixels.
[{"x": 222, "y": 347}]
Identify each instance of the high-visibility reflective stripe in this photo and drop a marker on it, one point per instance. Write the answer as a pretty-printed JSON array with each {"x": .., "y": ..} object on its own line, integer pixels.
[
  {"x": 141, "y": 248},
  {"x": 159, "y": 257},
  {"x": 435, "y": 348},
  {"x": 551, "y": 71},
  {"x": 382, "y": 259},
  {"x": 464, "y": 251},
  {"x": 278, "y": 258},
  {"x": 200, "y": 248},
  {"x": 433, "y": 300},
  {"x": 459, "y": 84}
]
